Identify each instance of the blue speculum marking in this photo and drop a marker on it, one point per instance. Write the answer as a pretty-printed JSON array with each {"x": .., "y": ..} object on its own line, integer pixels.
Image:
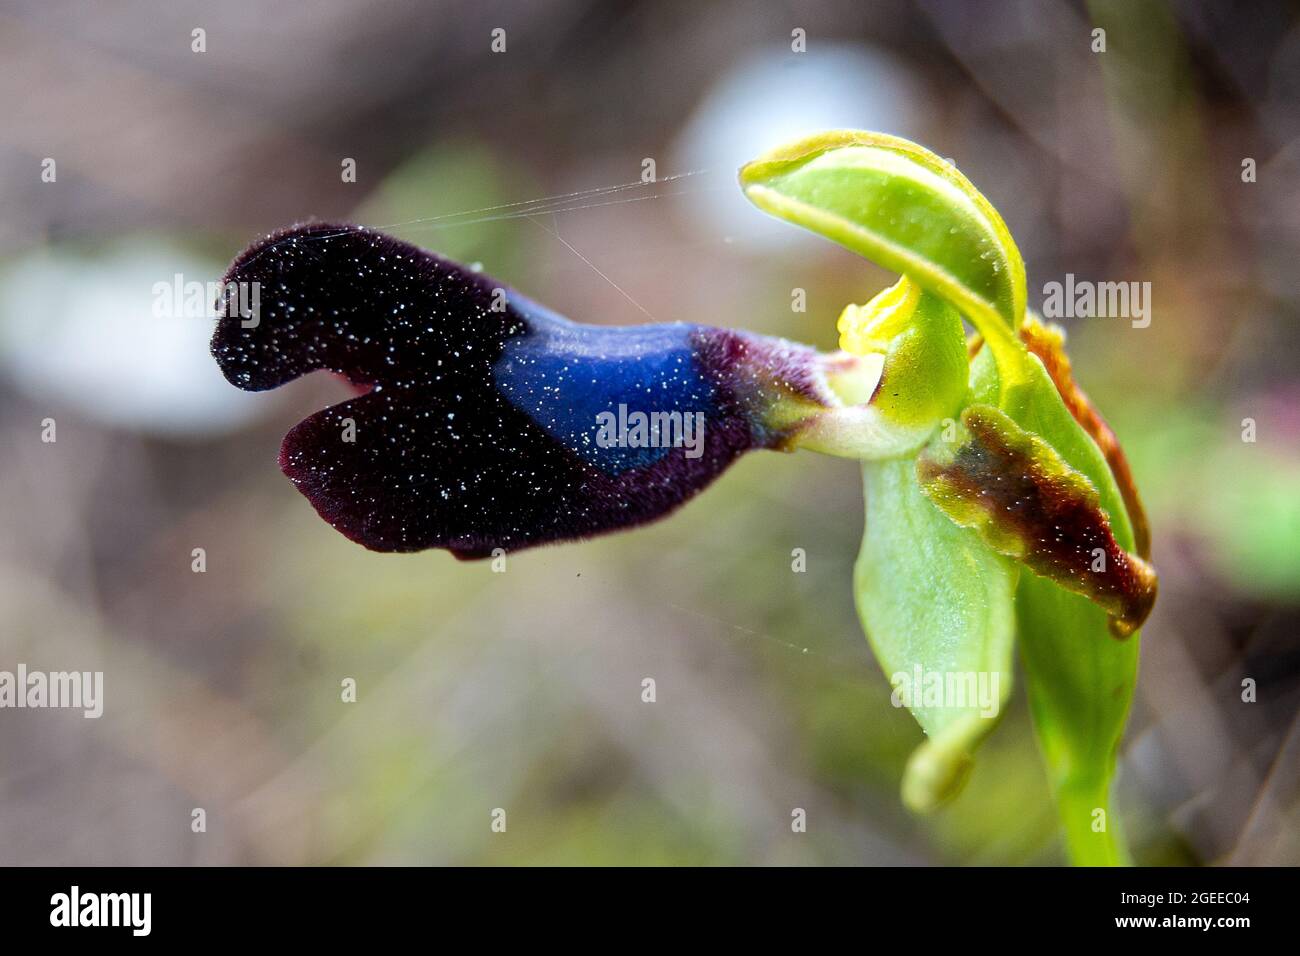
[{"x": 567, "y": 376}]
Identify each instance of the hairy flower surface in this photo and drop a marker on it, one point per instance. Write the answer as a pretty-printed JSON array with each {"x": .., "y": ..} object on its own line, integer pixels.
[{"x": 480, "y": 421}]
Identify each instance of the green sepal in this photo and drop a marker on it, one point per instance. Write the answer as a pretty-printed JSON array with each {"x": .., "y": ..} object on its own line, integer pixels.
[
  {"x": 1080, "y": 680},
  {"x": 902, "y": 206},
  {"x": 931, "y": 595}
]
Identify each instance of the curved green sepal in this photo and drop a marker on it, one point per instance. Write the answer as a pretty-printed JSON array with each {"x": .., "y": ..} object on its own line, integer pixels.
[
  {"x": 904, "y": 207},
  {"x": 936, "y": 605}
]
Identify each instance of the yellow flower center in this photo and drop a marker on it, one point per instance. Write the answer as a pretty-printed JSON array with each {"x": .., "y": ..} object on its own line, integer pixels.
[{"x": 867, "y": 329}]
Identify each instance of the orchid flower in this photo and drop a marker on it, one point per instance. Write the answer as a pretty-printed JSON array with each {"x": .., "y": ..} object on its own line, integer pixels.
[{"x": 998, "y": 502}]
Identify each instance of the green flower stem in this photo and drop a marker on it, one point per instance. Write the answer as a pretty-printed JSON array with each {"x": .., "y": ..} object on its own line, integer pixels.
[
  {"x": 1080, "y": 682},
  {"x": 1078, "y": 801}
]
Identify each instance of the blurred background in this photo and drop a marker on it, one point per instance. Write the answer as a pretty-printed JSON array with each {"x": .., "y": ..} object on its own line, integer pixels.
[{"x": 522, "y": 690}]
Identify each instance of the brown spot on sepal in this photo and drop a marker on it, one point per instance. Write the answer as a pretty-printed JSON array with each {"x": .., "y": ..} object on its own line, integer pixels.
[{"x": 1026, "y": 502}]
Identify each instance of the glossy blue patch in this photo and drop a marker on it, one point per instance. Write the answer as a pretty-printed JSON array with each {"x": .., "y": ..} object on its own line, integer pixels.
[{"x": 572, "y": 379}]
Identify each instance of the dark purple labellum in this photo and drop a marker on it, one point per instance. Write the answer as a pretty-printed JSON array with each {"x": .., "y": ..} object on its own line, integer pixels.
[{"x": 488, "y": 421}]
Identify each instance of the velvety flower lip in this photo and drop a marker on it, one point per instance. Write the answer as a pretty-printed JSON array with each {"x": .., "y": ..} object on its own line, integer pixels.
[{"x": 478, "y": 428}]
